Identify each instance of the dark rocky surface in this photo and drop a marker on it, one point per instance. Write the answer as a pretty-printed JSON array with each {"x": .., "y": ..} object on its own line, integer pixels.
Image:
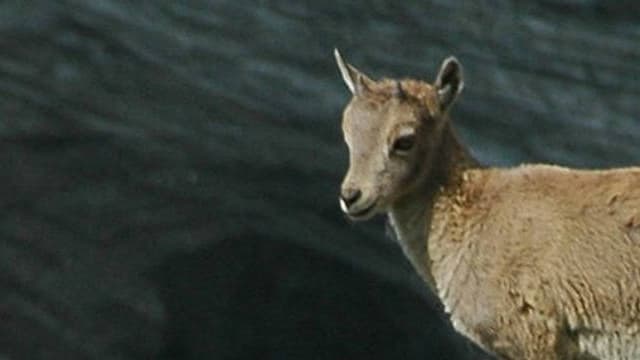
[{"x": 170, "y": 169}]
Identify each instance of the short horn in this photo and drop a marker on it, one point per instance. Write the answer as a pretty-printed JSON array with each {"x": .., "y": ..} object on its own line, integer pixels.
[
  {"x": 356, "y": 81},
  {"x": 344, "y": 71},
  {"x": 398, "y": 91}
]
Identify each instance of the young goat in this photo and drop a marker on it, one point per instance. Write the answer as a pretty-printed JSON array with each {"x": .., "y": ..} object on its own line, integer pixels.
[{"x": 532, "y": 262}]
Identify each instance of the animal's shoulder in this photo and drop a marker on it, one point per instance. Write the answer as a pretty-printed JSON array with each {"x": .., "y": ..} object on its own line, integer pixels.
[
  {"x": 544, "y": 201},
  {"x": 550, "y": 181}
]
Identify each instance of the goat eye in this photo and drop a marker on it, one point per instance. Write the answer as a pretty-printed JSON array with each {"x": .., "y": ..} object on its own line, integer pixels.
[{"x": 403, "y": 143}]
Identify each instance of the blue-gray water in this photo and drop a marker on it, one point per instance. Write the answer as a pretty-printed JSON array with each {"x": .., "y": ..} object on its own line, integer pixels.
[{"x": 170, "y": 169}]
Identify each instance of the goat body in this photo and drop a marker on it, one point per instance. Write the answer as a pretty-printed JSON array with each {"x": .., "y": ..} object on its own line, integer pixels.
[{"x": 533, "y": 262}]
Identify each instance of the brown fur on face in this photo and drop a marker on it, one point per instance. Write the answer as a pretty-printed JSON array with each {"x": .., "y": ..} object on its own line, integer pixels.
[
  {"x": 533, "y": 262},
  {"x": 379, "y": 115},
  {"x": 372, "y": 123}
]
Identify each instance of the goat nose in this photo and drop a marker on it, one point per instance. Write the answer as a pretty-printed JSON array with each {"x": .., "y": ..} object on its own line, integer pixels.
[{"x": 350, "y": 196}]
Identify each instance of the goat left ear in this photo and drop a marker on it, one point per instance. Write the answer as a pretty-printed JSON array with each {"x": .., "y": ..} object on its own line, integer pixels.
[{"x": 449, "y": 82}]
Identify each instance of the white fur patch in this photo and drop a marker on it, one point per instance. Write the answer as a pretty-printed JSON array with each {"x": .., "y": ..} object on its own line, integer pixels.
[{"x": 343, "y": 206}]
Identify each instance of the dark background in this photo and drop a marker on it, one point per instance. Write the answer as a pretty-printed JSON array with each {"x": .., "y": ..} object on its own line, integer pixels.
[{"x": 169, "y": 169}]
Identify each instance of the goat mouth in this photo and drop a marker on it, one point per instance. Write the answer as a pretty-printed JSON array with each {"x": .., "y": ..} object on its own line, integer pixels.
[{"x": 364, "y": 213}]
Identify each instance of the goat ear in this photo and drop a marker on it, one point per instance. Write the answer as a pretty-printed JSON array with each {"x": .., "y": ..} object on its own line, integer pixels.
[
  {"x": 449, "y": 82},
  {"x": 356, "y": 81}
]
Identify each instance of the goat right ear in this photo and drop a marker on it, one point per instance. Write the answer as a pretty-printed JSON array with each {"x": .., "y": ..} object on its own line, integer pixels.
[
  {"x": 449, "y": 82},
  {"x": 356, "y": 81}
]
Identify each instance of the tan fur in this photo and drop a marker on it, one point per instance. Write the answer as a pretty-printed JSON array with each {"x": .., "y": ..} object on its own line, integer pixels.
[{"x": 531, "y": 262}]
